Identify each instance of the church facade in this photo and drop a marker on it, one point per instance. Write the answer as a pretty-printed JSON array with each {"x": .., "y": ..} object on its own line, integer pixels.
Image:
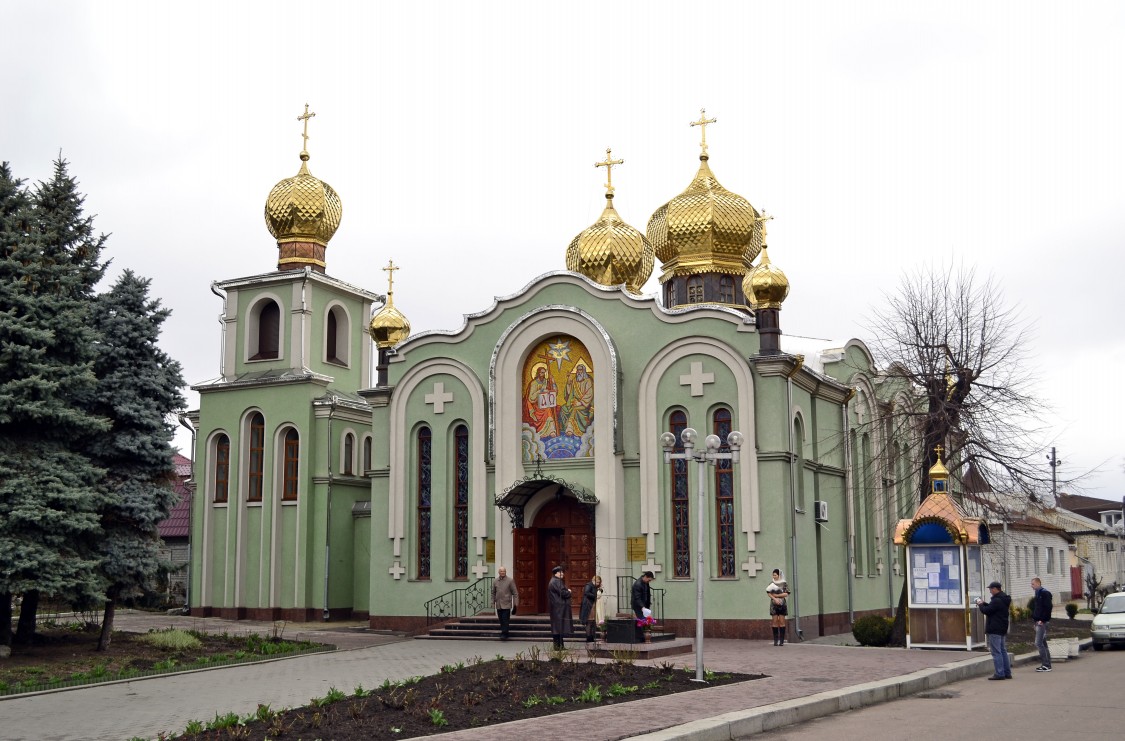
[{"x": 349, "y": 468}]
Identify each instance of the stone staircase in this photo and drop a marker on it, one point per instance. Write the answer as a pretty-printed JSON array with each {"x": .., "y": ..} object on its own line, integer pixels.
[{"x": 484, "y": 626}]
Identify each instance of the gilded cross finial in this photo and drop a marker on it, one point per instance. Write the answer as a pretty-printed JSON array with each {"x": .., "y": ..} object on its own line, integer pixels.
[
  {"x": 939, "y": 450},
  {"x": 391, "y": 268},
  {"x": 702, "y": 123},
  {"x": 305, "y": 134},
  {"x": 608, "y": 164},
  {"x": 761, "y": 219}
]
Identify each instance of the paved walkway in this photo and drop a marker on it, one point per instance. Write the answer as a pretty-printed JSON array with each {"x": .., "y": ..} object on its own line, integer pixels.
[{"x": 146, "y": 707}]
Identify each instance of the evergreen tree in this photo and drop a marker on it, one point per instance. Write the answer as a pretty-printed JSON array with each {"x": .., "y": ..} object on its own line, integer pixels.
[
  {"x": 138, "y": 387},
  {"x": 50, "y": 261}
]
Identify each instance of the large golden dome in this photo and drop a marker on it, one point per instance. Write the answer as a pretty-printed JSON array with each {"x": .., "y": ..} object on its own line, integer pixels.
[
  {"x": 705, "y": 229},
  {"x": 302, "y": 213},
  {"x": 765, "y": 286},
  {"x": 389, "y": 326}
]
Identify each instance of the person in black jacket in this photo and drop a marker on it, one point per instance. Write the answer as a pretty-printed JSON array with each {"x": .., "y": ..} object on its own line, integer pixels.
[
  {"x": 1041, "y": 614},
  {"x": 588, "y": 612},
  {"x": 642, "y": 598},
  {"x": 996, "y": 629}
]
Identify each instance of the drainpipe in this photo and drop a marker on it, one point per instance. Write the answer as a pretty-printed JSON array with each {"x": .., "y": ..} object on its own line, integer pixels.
[
  {"x": 328, "y": 514},
  {"x": 223, "y": 324},
  {"x": 191, "y": 505},
  {"x": 847, "y": 515},
  {"x": 793, "y": 498},
  {"x": 304, "y": 308}
]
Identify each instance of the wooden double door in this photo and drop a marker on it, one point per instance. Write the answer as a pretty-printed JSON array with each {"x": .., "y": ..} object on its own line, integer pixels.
[{"x": 562, "y": 535}]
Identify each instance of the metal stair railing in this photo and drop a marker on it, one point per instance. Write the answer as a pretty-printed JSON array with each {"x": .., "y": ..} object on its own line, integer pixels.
[
  {"x": 625, "y": 598},
  {"x": 460, "y": 602}
]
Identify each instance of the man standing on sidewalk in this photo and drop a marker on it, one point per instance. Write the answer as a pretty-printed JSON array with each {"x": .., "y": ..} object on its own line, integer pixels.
[
  {"x": 505, "y": 599},
  {"x": 996, "y": 629},
  {"x": 1041, "y": 614}
]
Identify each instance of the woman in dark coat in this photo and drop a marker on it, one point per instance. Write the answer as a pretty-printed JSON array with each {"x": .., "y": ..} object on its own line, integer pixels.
[
  {"x": 588, "y": 613},
  {"x": 558, "y": 599}
]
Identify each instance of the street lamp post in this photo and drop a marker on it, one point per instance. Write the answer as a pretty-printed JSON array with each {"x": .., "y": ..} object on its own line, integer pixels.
[{"x": 708, "y": 456}]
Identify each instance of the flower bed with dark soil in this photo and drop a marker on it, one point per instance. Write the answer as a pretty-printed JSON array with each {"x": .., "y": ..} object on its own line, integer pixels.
[
  {"x": 1021, "y": 633},
  {"x": 460, "y": 697}
]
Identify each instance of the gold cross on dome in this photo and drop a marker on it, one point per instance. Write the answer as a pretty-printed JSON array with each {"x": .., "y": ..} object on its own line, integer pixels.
[
  {"x": 608, "y": 165},
  {"x": 702, "y": 124},
  {"x": 305, "y": 134},
  {"x": 761, "y": 219},
  {"x": 391, "y": 268},
  {"x": 939, "y": 450}
]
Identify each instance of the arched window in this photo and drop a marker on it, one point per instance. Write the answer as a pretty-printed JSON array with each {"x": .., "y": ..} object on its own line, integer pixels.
[
  {"x": 726, "y": 289},
  {"x": 799, "y": 466},
  {"x": 291, "y": 457},
  {"x": 671, "y": 294},
  {"x": 724, "y": 498},
  {"x": 349, "y": 454},
  {"x": 269, "y": 331},
  {"x": 869, "y": 503},
  {"x": 681, "y": 504},
  {"x": 256, "y": 458},
  {"x": 858, "y": 505},
  {"x": 461, "y": 503},
  {"x": 425, "y": 449},
  {"x": 366, "y": 453},
  {"x": 336, "y": 335},
  {"x": 222, "y": 468},
  {"x": 695, "y": 290}
]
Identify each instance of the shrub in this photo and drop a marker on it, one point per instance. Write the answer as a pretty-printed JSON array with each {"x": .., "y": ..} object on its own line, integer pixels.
[
  {"x": 1071, "y": 609},
  {"x": 173, "y": 639},
  {"x": 872, "y": 630}
]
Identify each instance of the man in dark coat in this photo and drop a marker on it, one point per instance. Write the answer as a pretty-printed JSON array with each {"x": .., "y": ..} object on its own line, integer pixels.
[
  {"x": 1041, "y": 614},
  {"x": 642, "y": 598},
  {"x": 558, "y": 600},
  {"x": 996, "y": 629}
]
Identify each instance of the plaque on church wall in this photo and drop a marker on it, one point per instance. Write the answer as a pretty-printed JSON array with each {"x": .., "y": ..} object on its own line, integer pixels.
[
  {"x": 636, "y": 548},
  {"x": 489, "y": 551}
]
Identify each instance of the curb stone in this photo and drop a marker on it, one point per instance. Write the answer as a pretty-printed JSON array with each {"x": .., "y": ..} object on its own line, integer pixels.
[{"x": 744, "y": 723}]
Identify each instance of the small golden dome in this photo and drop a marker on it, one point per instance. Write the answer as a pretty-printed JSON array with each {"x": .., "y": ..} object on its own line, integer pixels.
[
  {"x": 302, "y": 213},
  {"x": 611, "y": 252},
  {"x": 765, "y": 286},
  {"x": 389, "y": 326},
  {"x": 705, "y": 229}
]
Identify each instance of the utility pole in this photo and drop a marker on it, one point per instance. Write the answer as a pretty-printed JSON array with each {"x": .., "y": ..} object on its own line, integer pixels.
[{"x": 1054, "y": 462}]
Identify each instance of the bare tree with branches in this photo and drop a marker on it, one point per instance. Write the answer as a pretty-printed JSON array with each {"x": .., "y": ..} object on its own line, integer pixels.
[{"x": 959, "y": 352}]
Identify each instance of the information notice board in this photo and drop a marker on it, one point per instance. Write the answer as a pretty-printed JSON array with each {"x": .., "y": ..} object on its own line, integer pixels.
[{"x": 935, "y": 576}]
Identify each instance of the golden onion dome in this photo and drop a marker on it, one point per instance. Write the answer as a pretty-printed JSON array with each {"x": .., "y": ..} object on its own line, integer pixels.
[
  {"x": 302, "y": 213},
  {"x": 707, "y": 228},
  {"x": 389, "y": 326},
  {"x": 765, "y": 286},
  {"x": 609, "y": 251}
]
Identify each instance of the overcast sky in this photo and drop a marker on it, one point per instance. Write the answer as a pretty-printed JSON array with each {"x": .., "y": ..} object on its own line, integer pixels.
[{"x": 461, "y": 138}]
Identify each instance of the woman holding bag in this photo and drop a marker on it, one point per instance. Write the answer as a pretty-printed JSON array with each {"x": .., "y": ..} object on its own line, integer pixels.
[{"x": 778, "y": 591}]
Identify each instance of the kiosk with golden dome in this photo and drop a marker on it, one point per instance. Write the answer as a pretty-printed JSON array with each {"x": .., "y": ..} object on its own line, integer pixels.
[{"x": 391, "y": 486}]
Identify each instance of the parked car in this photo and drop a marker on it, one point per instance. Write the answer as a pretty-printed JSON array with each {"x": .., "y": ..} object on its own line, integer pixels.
[{"x": 1108, "y": 627}]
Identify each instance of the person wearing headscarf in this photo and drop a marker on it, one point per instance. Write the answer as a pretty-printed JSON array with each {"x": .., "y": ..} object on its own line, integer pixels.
[{"x": 778, "y": 591}]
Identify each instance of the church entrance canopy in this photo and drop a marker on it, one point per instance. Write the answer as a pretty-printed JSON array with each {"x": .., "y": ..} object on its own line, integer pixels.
[{"x": 513, "y": 499}]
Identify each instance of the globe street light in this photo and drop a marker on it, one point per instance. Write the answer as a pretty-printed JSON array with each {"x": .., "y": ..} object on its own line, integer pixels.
[{"x": 710, "y": 455}]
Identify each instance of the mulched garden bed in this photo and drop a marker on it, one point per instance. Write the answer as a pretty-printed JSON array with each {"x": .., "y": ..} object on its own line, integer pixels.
[
  {"x": 460, "y": 697},
  {"x": 1021, "y": 633}
]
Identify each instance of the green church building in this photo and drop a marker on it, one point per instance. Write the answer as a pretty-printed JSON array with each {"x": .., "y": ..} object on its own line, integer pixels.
[{"x": 346, "y": 468}]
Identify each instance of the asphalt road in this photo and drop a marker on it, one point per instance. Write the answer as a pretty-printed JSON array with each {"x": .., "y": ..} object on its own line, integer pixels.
[{"x": 1079, "y": 699}]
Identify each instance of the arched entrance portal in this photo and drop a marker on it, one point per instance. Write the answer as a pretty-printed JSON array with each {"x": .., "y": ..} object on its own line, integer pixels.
[{"x": 559, "y": 533}]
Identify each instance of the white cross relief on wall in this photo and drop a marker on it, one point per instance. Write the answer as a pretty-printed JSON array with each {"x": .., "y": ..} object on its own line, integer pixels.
[
  {"x": 396, "y": 570},
  {"x": 696, "y": 379},
  {"x": 752, "y": 566},
  {"x": 439, "y": 398}
]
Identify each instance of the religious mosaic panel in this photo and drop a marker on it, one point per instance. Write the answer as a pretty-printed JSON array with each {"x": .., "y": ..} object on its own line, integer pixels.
[{"x": 558, "y": 401}]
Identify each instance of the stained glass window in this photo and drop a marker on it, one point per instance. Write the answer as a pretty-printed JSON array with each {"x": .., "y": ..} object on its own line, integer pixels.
[
  {"x": 461, "y": 503},
  {"x": 681, "y": 503},
  {"x": 256, "y": 458},
  {"x": 292, "y": 456},
  {"x": 724, "y": 498},
  {"x": 425, "y": 445},
  {"x": 222, "y": 467},
  {"x": 695, "y": 290}
]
